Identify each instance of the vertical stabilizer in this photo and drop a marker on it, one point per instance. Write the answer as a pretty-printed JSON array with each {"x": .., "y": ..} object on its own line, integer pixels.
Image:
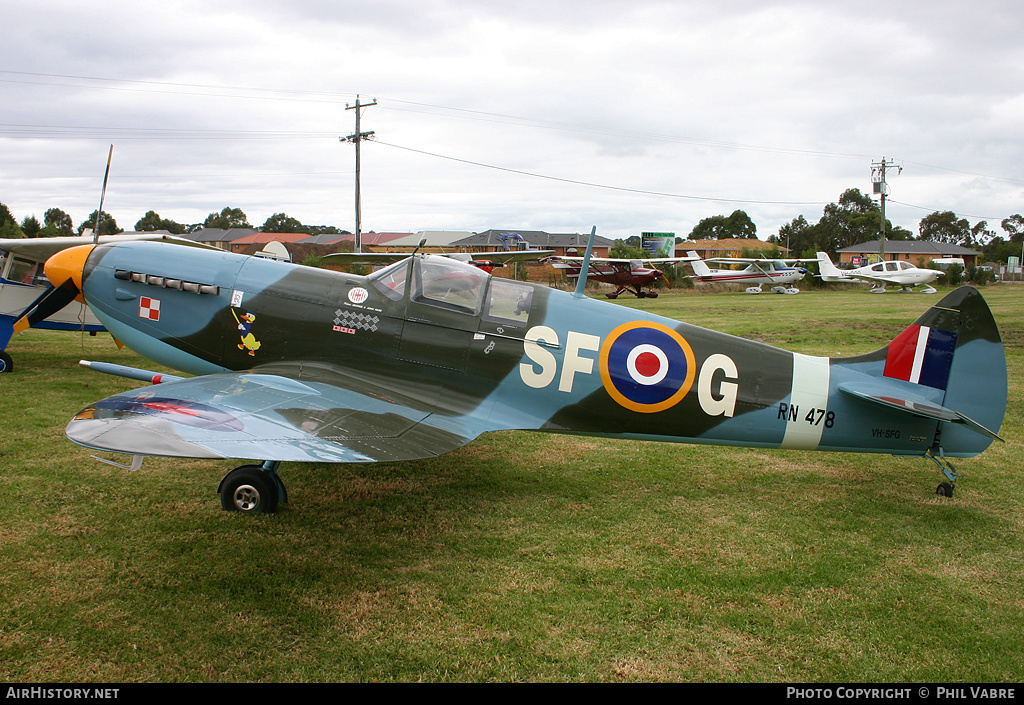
[{"x": 699, "y": 268}]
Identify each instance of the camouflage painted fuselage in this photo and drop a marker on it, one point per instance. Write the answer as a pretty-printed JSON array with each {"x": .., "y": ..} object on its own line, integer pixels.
[{"x": 461, "y": 353}]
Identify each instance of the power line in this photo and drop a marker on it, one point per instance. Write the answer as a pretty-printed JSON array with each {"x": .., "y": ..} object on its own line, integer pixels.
[{"x": 603, "y": 186}]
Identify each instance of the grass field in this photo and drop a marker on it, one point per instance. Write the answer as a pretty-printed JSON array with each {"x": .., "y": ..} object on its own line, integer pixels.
[{"x": 522, "y": 557}]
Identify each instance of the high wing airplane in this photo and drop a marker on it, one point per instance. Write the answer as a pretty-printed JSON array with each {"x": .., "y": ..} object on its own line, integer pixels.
[
  {"x": 902, "y": 274},
  {"x": 487, "y": 261},
  {"x": 294, "y": 363},
  {"x": 759, "y": 271},
  {"x": 636, "y": 276},
  {"x": 23, "y": 285}
]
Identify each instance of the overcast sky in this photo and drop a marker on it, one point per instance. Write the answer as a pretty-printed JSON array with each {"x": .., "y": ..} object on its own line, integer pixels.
[{"x": 630, "y": 116}]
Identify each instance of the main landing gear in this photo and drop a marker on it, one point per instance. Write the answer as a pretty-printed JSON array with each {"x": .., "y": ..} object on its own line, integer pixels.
[
  {"x": 945, "y": 489},
  {"x": 639, "y": 293},
  {"x": 252, "y": 489}
]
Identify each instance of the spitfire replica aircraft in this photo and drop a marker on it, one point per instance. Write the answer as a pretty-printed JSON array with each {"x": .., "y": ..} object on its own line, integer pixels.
[
  {"x": 759, "y": 270},
  {"x": 881, "y": 274},
  {"x": 294, "y": 363},
  {"x": 636, "y": 276}
]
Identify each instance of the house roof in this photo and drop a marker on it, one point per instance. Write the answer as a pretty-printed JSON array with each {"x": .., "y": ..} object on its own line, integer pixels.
[
  {"x": 912, "y": 247},
  {"x": 259, "y": 237},
  {"x": 219, "y": 234},
  {"x": 537, "y": 239}
]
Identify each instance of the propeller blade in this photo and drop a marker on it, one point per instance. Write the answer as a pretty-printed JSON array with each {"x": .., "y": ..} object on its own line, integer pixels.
[{"x": 53, "y": 300}]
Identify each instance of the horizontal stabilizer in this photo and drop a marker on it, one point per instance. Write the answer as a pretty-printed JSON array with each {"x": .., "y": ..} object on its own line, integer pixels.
[{"x": 918, "y": 406}]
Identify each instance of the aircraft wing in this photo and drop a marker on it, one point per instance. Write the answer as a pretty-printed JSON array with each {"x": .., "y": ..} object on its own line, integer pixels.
[
  {"x": 756, "y": 261},
  {"x": 271, "y": 415},
  {"x": 869, "y": 278},
  {"x": 502, "y": 256},
  {"x": 41, "y": 249},
  {"x": 377, "y": 258},
  {"x": 374, "y": 258},
  {"x": 620, "y": 260}
]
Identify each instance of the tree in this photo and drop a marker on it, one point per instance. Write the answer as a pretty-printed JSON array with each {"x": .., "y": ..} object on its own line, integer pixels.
[
  {"x": 1014, "y": 226},
  {"x": 9, "y": 229},
  {"x": 946, "y": 227},
  {"x": 226, "y": 219},
  {"x": 5, "y": 215},
  {"x": 152, "y": 221},
  {"x": 854, "y": 219},
  {"x": 30, "y": 226},
  {"x": 57, "y": 223},
  {"x": 797, "y": 235},
  {"x": 281, "y": 223},
  {"x": 621, "y": 249},
  {"x": 721, "y": 227},
  {"x": 108, "y": 226}
]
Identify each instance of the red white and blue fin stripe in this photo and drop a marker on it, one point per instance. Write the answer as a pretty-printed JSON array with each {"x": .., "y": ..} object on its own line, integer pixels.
[{"x": 921, "y": 355}]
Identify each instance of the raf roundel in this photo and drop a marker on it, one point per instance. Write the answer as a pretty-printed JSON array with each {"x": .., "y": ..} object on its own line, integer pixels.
[{"x": 646, "y": 367}]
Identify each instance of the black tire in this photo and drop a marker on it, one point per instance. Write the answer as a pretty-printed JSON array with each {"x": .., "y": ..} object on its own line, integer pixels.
[
  {"x": 250, "y": 490},
  {"x": 944, "y": 489},
  {"x": 6, "y": 363}
]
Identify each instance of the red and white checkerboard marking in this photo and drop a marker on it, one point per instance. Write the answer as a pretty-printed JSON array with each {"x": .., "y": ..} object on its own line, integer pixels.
[{"x": 149, "y": 308}]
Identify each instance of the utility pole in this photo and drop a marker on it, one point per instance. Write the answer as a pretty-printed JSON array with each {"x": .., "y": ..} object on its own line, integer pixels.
[
  {"x": 357, "y": 139},
  {"x": 878, "y": 170}
]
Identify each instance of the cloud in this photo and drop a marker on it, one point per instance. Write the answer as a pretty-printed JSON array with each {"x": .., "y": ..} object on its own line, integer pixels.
[{"x": 553, "y": 116}]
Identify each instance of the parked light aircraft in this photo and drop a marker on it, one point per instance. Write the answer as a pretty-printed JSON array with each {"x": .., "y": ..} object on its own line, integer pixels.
[
  {"x": 23, "y": 285},
  {"x": 902, "y": 274},
  {"x": 487, "y": 261},
  {"x": 636, "y": 276},
  {"x": 759, "y": 271},
  {"x": 294, "y": 363},
  {"x": 22, "y": 282}
]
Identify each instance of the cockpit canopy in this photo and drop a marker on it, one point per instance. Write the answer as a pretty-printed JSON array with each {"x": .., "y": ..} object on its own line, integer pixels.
[{"x": 456, "y": 286}]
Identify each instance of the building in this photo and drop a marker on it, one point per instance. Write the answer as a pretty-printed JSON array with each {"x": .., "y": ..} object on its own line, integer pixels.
[
  {"x": 561, "y": 243},
  {"x": 917, "y": 252},
  {"x": 219, "y": 237},
  {"x": 262, "y": 238}
]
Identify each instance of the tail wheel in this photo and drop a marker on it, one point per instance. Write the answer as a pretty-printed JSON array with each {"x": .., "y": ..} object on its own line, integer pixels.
[
  {"x": 944, "y": 489},
  {"x": 250, "y": 490}
]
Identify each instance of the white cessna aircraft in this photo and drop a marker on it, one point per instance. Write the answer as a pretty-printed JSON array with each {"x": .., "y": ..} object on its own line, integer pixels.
[
  {"x": 902, "y": 274},
  {"x": 759, "y": 271}
]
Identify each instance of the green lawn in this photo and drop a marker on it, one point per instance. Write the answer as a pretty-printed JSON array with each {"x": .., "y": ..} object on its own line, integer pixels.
[{"x": 522, "y": 556}]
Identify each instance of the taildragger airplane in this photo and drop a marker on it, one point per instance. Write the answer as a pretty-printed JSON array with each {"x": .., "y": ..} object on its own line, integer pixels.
[
  {"x": 294, "y": 363},
  {"x": 637, "y": 276}
]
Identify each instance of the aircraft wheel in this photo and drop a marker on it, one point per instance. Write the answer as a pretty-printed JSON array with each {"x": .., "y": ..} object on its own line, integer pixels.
[
  {"x": 944, "y": 489},
  {"x": 6, "y": 363},
  {"x": 250, "y": 490},
  {"x": 652, "y": 294},
  {"x": 612, "y": 296}
]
